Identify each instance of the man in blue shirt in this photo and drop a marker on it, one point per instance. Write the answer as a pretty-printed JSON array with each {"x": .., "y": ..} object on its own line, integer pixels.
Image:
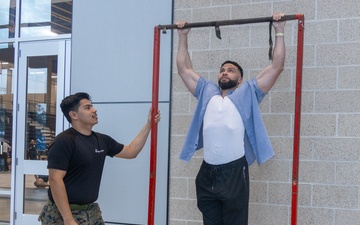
[{"x": 227, "y": 124}]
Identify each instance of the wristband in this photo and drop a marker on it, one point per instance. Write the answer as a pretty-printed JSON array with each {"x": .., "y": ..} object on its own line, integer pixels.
[{"x": 279, "y": 34}]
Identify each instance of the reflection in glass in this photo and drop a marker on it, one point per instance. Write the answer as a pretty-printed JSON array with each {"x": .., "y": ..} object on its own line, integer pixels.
[
  {"x": 6, "y": 114},
  {"x": 5, "y": 182},
  {"x": 40, "y": 125},
  {"x": 45, "y": 18},
  {"x": 6, "y": 69},
  {"x": 35, "y": 193},
  {"x": 7, "y": 19},
  {"x": 41, "y": 105}
]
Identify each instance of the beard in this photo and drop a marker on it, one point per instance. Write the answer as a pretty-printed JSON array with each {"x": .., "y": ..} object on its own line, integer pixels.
[{"x": 227, "y": 84}]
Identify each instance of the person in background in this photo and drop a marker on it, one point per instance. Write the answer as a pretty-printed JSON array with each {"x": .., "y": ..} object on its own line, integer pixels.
[
  {"x": 5, "y": 150},
  {"x": 32, "y": 152},
  {"x": 76, "y": 160},
  {"x": 41, "y": 181},
  {"x": 227, "y": 124}
]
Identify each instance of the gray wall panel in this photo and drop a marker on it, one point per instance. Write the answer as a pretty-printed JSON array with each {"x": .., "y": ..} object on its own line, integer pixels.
[
  {"x": 125, "y": 185},
  {"x": 112, "y": 60},
  {"x": 112, "y": 45}
]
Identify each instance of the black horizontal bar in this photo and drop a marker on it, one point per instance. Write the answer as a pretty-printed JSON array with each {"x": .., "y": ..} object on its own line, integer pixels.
[{"x": 228, "y": 22}]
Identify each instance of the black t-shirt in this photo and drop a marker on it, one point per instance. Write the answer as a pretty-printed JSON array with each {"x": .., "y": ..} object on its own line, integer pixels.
[{"x": 82, "y": 157}]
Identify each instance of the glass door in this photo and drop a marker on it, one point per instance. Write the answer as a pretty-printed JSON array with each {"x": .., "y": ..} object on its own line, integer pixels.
[
  {"x": 6, "y": 115},
  {"x": 42, "y": 84}
]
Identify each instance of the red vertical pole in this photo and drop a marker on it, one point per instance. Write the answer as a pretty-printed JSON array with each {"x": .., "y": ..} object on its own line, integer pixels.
[
  {"x": 153, "y": 144},
  {"x": 299, "y": 66}
]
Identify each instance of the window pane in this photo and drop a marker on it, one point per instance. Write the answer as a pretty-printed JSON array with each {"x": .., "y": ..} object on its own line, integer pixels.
[
  {"x": 35, "y": 193},
  {"x": 6, "y": 114},
  {"x": 7, "y": 19},
  {"x": 41, "y": 105},
  {"x": 45, "y": 18},
  {"x": 40, "y": 125}
]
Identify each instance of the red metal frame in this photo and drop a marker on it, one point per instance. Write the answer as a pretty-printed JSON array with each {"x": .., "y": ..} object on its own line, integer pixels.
[
  {"x": 153, "y": 144},
  {"x": 299, "y": 66},
  {"x": 155, "y": 86}
]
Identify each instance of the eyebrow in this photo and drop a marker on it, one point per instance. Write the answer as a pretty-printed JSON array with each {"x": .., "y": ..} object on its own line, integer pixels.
[
  {"x": 226, "y": 68},
  {"x": 88, "y": 104}
]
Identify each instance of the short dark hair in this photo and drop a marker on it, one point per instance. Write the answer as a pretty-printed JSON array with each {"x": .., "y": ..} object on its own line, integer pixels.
[
  {"x": 72, "y": 103},
  {"x": 235, "y": 64}
]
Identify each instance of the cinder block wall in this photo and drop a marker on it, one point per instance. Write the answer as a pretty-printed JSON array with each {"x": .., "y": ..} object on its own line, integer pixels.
[{"x": 330, "y": 124}]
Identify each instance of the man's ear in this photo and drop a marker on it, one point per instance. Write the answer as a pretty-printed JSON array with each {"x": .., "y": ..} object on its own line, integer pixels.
[
  {"x": 73, "y": 115},
  {"x": 240, "y": 80}
]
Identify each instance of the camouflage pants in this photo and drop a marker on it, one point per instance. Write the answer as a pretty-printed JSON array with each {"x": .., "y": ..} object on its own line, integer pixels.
[{"x": 50, "y": 215}]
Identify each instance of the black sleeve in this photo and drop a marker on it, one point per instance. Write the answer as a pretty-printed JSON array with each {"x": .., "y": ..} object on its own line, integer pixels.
[
  {"x": 113, "y": 147},
  {"x": 60, "y": 152}
]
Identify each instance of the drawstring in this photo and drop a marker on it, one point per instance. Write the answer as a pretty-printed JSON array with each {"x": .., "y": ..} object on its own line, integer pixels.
[{"x": 213, "y": 173}]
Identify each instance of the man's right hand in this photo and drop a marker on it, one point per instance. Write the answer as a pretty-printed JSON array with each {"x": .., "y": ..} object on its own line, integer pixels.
[{"x": 180, "y": 25}]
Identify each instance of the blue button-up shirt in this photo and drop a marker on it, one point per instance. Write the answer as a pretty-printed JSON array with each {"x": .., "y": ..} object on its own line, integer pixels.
[{"x": 246, "y": 98}]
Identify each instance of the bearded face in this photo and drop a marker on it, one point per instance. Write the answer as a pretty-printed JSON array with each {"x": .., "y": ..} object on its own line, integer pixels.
[
  {"x": 227, "y": 84},
  {"x": 229, "y": 77}
]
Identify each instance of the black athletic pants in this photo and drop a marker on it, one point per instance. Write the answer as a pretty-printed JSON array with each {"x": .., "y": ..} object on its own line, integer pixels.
[{"x": 223, "y": 193}]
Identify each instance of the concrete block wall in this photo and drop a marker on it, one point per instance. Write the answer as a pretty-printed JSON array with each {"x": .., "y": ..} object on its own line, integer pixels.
[{"x": 329, "y": 188}]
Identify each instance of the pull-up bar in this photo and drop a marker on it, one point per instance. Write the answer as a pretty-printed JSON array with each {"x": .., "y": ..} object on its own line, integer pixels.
[
  {"x": 228, "y": 22},
  {"x": 297, "y": 113}
]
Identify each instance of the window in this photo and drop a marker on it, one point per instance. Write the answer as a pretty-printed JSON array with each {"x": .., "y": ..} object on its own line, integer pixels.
[
  {"x": 45, "y": 18},
  {"x": 7, "y": 19}
]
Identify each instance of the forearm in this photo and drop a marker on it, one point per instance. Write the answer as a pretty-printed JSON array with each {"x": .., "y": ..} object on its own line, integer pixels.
[
  {"x": 183, "y": 59},
  {"x": 268, "y": 76},
  {"x": 184, "y": 65},
  {"x": 134, "y": 148},
  {"x": 60, "y": 197},
  {"x": 279, "y": 50}
]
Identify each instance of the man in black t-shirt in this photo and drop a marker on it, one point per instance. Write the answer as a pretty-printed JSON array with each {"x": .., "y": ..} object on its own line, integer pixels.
[{"x": 76, "y": 160}]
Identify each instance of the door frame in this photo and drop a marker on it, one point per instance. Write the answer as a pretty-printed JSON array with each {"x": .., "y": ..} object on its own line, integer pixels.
[{"x": 61, "y": 48}]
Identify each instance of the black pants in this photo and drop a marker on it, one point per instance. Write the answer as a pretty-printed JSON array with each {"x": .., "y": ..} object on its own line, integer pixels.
[{"x": 223, "y": 193}]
